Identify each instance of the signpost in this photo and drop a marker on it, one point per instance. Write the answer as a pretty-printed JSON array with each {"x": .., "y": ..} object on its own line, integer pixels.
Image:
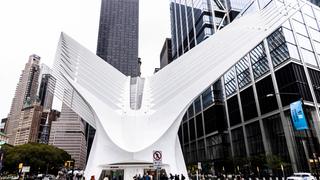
[
  {"x": 25, "y": 169},
  {"x": 157, "y": 161}
]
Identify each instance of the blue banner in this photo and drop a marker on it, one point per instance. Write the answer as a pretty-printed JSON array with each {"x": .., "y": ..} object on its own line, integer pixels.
[{"x": 298, "y": 118}]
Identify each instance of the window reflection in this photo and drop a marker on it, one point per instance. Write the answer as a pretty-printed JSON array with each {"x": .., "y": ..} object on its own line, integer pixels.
[
  {"x": 254, "y": 139},
  {"x": 259, "y": 61},
  {"x": 243, "y": 72},
  {"x": 278, "y": 48},
  {"x": 230, "y": 82},
  {"x": 238, "y": 142}
]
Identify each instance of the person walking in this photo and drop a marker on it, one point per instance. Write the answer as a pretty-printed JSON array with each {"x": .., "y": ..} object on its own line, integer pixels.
[
  {"x": 171, "y": 177},
  {"x": 182, "y": 177}
]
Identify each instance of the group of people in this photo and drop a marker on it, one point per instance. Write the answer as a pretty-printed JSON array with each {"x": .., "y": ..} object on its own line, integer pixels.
[{"x": 163, "y": 176}]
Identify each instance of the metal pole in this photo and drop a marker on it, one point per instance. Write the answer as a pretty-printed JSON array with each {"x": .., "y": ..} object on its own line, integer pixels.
[{"x": 197, "y": 175}]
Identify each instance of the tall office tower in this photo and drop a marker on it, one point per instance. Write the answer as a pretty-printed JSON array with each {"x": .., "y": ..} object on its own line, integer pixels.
[
  {"x": 166, "y": 53},
  {"x": 47, "y": 117},
  {"x": 245, "y": 114},
  {"x": 192, "y": 21},
  {"x": 118, "y": 35},
  {"x": 26, "y": 93},
  {"x": 28, "y": 126},
  {"x": 68, "y": 134},
  {"x": 46, "y": 87}
]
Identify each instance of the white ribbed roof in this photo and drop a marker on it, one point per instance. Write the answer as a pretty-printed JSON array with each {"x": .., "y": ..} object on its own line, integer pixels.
[{"x": 172, "y": 89}]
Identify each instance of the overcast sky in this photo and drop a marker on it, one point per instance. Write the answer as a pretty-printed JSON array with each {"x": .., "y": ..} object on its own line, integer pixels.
[{"x": 33, "y": 27}]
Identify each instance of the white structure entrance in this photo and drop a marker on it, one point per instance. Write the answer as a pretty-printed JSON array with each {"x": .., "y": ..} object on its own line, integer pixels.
[{"x": 135, "y": 116}]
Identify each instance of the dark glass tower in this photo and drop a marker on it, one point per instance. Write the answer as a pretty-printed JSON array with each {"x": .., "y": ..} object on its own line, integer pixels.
[{"x": 118, "y": 35}]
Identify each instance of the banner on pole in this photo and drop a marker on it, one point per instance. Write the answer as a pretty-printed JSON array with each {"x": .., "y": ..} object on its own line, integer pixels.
[{"x": 298, "y": 118}]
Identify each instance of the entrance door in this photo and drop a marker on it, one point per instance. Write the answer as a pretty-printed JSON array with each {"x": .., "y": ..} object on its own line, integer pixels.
[
  {"x": 155, "y": 173},
  {"x": 116, "y": 174}
]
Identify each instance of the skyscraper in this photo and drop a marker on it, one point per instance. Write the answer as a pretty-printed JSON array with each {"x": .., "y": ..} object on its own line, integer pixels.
[
  {"x": 67, "y": 133},
  {"x": 192, "y": 21},
  {"x": 26, "y": 93},
  {"x": 118, "y": 35},
  {"x": 245, "y": 113},
  {"x": 166, "y": 53}
]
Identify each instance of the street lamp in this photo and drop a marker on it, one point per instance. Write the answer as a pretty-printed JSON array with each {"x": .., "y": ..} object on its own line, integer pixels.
[{"x": 273, "y": 94}]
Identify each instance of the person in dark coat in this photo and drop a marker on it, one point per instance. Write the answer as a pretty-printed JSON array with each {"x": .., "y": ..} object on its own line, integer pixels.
[
  {"x": 182, "y": 177},
  {"x": 171, "y": 176},
  {"x": 176, "y": 177}
]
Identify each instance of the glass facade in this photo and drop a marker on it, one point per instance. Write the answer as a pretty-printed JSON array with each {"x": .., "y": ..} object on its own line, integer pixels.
[
  {"x": 192, "y": 21},
  {"x": 245, "y": 114},
  {"x": 118, "y": 35}
]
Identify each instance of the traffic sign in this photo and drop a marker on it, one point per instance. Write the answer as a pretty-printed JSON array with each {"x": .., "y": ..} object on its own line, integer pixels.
[
  {"x": 199, "y": 165},
  {"x": 157, "y": 159},
  {"x": 25, "y": 169}
]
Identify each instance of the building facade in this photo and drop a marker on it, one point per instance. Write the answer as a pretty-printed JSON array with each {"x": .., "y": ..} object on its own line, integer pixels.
[
  {"x": 26, "y": 93},
  {"x": 118, "y": 35},
  {"x": 254, "y": 98},
  {"x": 29, "y": 123},
  {"x": 166, "y": 53},
  {"x": 68, "y": 133},
  {"x": 193, "y": 21}
]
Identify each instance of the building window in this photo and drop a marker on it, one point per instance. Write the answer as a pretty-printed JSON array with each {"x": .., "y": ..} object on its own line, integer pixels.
[
  {"x": 239, "y": 148},
  {"x": 185, "y": 117},
  {"x": 193, "y": 152},
  {"x": 230, "y": 82},
  {"x": 248, "y": 102},
  {"x": 192, "y": 129},
  {"x": 254, "y": 139},
  {"x": 275, "y": 135},
  {"x": 185, "y": 132},
  {"x": 180, "y": 135},
  {"x": 197, "y": 105},
  {"x": 190, "y": 111},
  {"x": 243, "y": 72},
  {"x": 201, "y": 150},
  {"x": 207, "y": 97},
  {"x": 292, "y": 84},
  {"x": 199, "y": 125},
  {"x": 315, "y": 79},
  {"x": 259, "y": 61},
  {"x": 214, "y": 119},
  {"x": 233, "y": 110},
  {"x": 265, "y": 87},
  {"x": 215, "y": 147},
  {"x": 278, "y": 49}
]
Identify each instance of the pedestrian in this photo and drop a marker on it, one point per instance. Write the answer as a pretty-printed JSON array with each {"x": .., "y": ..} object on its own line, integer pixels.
[
  {"x": 182, "y": 177},
  {"x": 106, "y": 178},
  {"x": 92, "y": 178},
  {"x": 176, "y": 177},
  {"x": 171, "y": 176},
  {"x": 147, "y": 177}
]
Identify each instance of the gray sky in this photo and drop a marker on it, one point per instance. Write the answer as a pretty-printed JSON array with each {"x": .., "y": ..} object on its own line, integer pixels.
[{"x": 33, "y": 27}]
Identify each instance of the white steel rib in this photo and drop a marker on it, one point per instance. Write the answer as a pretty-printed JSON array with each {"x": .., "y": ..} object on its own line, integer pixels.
[{"x": 128, "y": 129}]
